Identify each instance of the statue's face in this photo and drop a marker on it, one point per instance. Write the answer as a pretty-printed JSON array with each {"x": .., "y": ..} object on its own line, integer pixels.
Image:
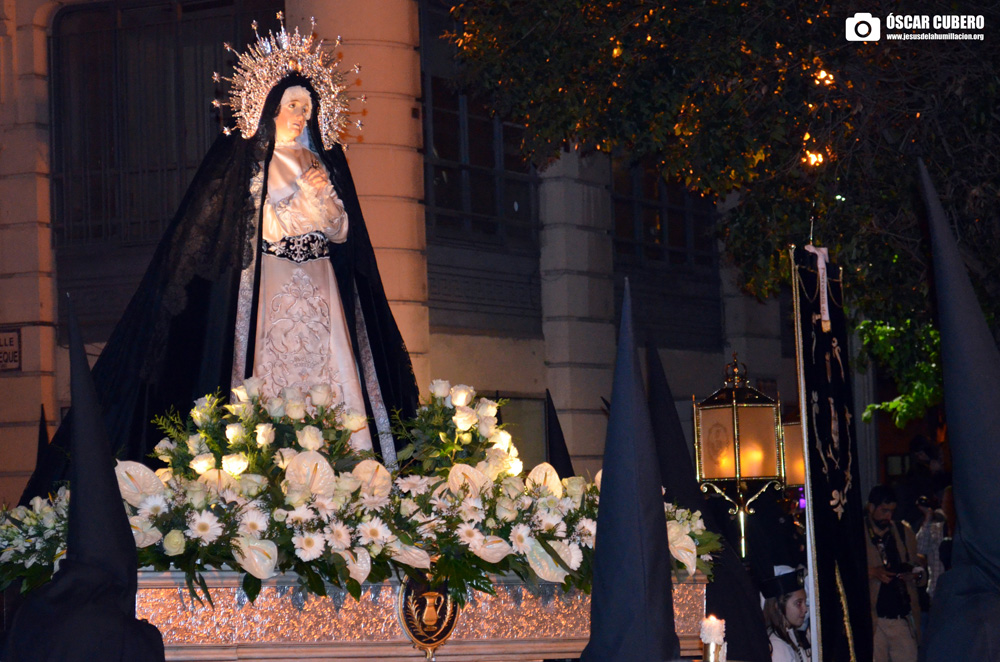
[{"x": 294, "y": 112}]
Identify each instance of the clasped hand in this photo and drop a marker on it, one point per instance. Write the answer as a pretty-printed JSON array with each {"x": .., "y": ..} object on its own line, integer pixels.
[{"x": 314, "y": 178}]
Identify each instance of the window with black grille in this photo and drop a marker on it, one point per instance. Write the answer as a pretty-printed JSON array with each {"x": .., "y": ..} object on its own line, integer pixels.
[
  {"x": 131, "y": 88},
  {"x": 665, "y": 243},
  {"x": 481, "y": 202}
]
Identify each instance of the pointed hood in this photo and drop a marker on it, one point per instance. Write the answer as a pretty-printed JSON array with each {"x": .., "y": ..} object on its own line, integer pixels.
[
  {"x": 40, "y": 482},
  {"x": 965, "y": 613},
  {"x": 971, "y": 364},
  {"x": 631, "y": 608},
  {"x": 99, "y": 532},
  {"x": 555, "y": 442},
  {"x": 731, "y": 595}
]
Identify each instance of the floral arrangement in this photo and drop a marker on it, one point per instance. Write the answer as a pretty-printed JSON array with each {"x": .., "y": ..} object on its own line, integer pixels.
[{"x": 275, "y": 485}]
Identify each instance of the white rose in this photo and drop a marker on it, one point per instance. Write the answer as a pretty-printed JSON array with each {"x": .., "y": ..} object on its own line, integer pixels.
[
  {"x": 252, "y": 484},
  {"x": 234, "y": 432},
  {"x": 164, "y": 449},
  {"x": 440, "y": 388},
  {"x": 486, "y": 407},
  {"x": 252, "y": 386},
  {"x": 513, "y": 486},
  {"x": 173, "y": 543},
  {"x": 240, "y": 394},
  {"x": 165, "y": 475},
  {"x": 284, "y": 456},
  {"x": 487, "y": 424},
  {"x": 506, "y": 509},
  {"x": 310, "y": 438},
  {"x": 501, "y": 439},
  {"x": 235, "y": 464},
  {"x": 407, "y": 507},
  {"x": 202, "y": 411},
  {"x": 464, "y": 418},
  {"x": 265, "y": 434},
  {"x": 352, "y": 420},
  {"x": 461, "y": 395},
  {"x": 196, "y": 494},
  {"x": 275, "y": 407},
  {"x": 321, "y": 395},
  {"x": 295, "y": 409},
  {"x": 202, "y": 463}
]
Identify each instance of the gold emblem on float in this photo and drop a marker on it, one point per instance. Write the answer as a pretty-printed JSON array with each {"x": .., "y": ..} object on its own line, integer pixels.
[{"x": 427, "y": 615}]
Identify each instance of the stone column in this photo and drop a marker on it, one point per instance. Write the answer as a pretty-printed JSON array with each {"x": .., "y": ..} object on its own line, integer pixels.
[
  {"x": 382, "y": 36},
  {"x": 27, "y": 279},
  {"x": 578, "y": 310}
]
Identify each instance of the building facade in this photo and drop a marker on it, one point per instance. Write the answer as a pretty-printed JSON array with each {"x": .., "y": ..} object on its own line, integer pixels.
[{"x": 500, "y": 276}]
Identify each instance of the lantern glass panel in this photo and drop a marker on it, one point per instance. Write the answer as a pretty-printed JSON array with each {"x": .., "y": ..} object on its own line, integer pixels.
[
  {"x": 795, "y": 463},
  {"x": 758, "y": 447},
  {"x": 718, "y": 457}
]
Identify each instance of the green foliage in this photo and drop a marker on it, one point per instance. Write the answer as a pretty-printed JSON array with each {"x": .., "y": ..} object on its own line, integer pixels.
[
  {"x": 741, "y": 100},
  {"x": 913, "y": 364}
]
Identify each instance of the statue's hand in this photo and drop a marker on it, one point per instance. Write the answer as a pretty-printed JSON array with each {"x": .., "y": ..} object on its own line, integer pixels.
[{"x": 314, "y": 178}]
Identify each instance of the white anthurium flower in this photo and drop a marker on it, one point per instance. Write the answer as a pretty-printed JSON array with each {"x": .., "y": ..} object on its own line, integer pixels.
[
  {"x": 144, "y": 532},
  {"x": 359, "y": 563},
  {"x": 544, "y": 565},
  {"x": 235, "y": 464},
  {"x": 202, "y": 463},
  {"x": 310, "y": 471},
  {"x": 545, "y": 475},
  {"x": 597, "y": 479},
  {"x": 321, "y": 395},
  {"x": 464, "y": 418},
  {"x": 682, "y": 546},
  {"x": 493, "y": 549},
  {"x": 375, "y": 479},
  {"x": 440, "y": 388},
  {"x": 463, "y": 474},
  {"x": 409, "y": 555},
  {"x": 462, "y": 395},
  {"x": 218, "y": 480},
  {"x": 257, "y": 557},
  {"x": 310, "y": 438},
  {"x": 137, "y": 481}
]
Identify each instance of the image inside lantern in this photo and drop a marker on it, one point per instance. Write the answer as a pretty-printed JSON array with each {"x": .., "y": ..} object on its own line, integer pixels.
[
  {"x": 757, "y": 441},
  {"x": 718, "y": 456}
]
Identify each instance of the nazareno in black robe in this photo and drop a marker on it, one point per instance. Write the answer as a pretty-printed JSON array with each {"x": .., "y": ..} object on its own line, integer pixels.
[{"x": 175, "y": 340}]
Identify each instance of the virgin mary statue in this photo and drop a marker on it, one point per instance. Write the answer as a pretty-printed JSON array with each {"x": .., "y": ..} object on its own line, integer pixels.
[{"x": 265, "y": 277}]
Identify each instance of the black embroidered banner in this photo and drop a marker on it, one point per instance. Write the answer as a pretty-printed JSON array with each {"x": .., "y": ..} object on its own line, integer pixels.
[{"x": 836, "y": 505}]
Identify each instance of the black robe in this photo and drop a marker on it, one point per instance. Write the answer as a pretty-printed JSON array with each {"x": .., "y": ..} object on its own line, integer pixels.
[{"x": 174, "y": 342}]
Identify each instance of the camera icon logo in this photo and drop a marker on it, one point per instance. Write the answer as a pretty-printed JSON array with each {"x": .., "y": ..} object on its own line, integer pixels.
[{"x": 863, "y": 27}]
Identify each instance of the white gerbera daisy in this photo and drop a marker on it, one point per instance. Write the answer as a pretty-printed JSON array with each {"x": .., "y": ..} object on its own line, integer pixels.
[
  {"x": 374, "y": 531},
  {"x": 520, "y": 538},
  {"x": 551, "y": 523},
  {"x": 471, "y": 510},
  {"x": 152, "y": 506},
  {"x": 339, "y": 536},
  {"x": 326, "y": 507},
  {"x": 372, "y": 502},
  {"x": 309, "y": 545},
  {"x": 253, "y": 523},
  {"x": 300, "y": 516},
  {"x": 204, "y": 526},
  {"x": 586, "y": 529},
  {"x": 569, "y": 552},
  {"x": 469, "y": 535}
]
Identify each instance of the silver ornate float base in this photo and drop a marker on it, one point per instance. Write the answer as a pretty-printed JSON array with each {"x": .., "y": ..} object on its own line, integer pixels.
[{"x": 285, "y": 624}]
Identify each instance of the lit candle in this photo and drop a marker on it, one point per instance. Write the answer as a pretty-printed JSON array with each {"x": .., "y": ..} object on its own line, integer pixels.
[
  {"x": 751, "y": 460},
  {"x": 713, "y": 631}
]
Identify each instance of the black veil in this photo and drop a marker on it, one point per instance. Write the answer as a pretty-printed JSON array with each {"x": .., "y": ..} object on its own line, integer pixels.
[{"x": 175, "y": 340}]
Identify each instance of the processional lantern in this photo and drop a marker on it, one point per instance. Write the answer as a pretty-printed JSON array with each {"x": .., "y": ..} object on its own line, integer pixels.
[
  {"x": 795, "y": 461},
  {"x": 738, "y": 444}
]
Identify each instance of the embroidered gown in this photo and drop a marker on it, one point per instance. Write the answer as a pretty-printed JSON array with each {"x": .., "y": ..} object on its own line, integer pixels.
[{"x": 302, "y": 337}]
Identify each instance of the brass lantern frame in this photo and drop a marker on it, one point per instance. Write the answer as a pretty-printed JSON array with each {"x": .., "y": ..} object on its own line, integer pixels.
[{"x": 738, "y": 489}]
